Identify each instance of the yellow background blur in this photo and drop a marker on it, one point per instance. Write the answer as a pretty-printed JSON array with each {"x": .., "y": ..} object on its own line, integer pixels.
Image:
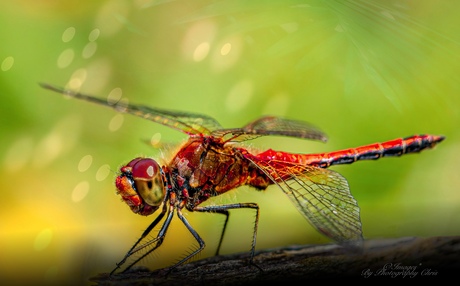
[{"x": 362, "y": 71}]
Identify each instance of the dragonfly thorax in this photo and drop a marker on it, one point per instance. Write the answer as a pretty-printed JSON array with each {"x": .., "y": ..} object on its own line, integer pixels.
[{"x": 141, "y": 185}]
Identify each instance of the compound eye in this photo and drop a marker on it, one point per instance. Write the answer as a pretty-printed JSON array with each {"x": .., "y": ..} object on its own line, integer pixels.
[
  {"x": 148, "y": 180},
  {"x": 144, "y": 169},
  {"x": 134, "y": 162}
]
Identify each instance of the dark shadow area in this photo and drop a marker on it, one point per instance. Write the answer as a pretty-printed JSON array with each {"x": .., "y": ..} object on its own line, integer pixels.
[{"x": 387, "y": 259}]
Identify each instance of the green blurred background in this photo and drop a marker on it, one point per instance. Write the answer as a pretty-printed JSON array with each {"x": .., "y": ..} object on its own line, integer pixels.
[{"x": 362, "y": 71}]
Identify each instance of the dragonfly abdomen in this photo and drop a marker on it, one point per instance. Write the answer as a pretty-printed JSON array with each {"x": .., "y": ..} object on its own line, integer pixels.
[{"x": 396, "y": 147}]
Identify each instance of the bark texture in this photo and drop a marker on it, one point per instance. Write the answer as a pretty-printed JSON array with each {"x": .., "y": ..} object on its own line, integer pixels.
[{"x": 406, "y": 258}]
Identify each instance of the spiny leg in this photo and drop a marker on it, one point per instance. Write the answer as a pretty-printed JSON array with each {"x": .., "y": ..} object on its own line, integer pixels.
[
  {"x": 195, "y": 235},
  {"x": 158, "y": 240},
  {"x": 223, "y": 209},
  {"x": 227, "y": 215}
]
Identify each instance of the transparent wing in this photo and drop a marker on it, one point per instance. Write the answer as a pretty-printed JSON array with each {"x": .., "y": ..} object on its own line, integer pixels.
[
  {"x": 321, "y": 195},
  {"x": 193, "y": 123},
  {"x": 189, "y": 123},
  {"x": 271, "y": 125}
]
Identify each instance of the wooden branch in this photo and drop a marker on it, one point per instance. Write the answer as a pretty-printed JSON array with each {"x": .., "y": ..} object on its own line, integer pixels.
[{"x": 404, "y": 258}]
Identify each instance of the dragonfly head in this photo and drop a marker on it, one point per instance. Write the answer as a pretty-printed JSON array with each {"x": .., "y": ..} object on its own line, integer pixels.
[{"x": 141, "y": 185}]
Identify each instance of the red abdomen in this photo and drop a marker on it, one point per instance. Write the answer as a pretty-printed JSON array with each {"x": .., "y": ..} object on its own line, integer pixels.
[{"x": 396, "y": 147}]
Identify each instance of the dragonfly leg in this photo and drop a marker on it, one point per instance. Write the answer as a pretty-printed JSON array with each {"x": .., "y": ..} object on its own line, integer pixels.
[
  {"x": 223, "y": 209},
  {"x": 227, "y": 215},
  {"x": 195, "y": 235},
  {"x": 158, "y": 240}
]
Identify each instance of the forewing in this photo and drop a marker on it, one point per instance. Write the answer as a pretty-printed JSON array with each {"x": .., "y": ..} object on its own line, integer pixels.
[
  {"x": 190, "y": 123},
  {"x": 322, "y": 196},
  {"x": 272, "y": 125}
]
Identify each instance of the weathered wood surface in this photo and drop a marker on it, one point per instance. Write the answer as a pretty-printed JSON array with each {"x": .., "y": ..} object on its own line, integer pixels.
[{"x": 404, "y": 258}]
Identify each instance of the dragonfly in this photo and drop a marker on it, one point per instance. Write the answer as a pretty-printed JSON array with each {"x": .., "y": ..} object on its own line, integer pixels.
[{"x": 212, "y": 161}]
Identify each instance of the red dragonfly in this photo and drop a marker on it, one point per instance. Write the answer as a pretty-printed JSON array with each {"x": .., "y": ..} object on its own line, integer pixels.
[{"x": 210, "y": 163}]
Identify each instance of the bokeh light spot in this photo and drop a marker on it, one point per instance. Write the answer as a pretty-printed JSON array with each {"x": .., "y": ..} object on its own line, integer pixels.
[
  {"x": 89, "y": 50},
  {"x": 65, "y": 58},
  {"x": 103, "y": 172},
  {"x": 18, "y": 154},
  {"x": 7, "y": 63},
  {"x": 155, "y": 140},
  {"x": 77, "y": 79},
  {"x": 61, "y": 139},
  {"x": 114, "y": 96},
  {"x": 85, "y": 163},
  {"x": 229, "y": 53},
  {"x": 43, "y": 239},
  {"x": 226, "y": 48},
  {"x": 80, "y": 191},
  {"x": 68, "y": 34},
  {"x": 239, "y": 95},
  {"x": 196, "y": 42},
  {"x": 48, "y": 149},
  {"x": 116, "y": 122},
  {"x": 94, "y": 35},
  {"x": 201, "y": 51},
  {"x": 98, "y": 74}
]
